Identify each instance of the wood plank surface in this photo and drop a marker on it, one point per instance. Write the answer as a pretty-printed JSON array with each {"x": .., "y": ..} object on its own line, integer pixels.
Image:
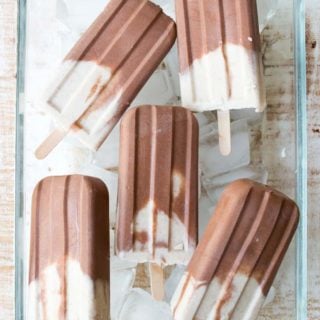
[{"x": 8, "y": 41}]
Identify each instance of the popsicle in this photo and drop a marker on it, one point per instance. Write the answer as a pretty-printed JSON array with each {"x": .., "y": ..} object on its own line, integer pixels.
[
  {"x": 220, "y": 58},
  {"x": 105, "y": 70},
  {"x": 237, "y": 259},
  {"x": 69, "y": 250},
  {"x": 158, "y": 186}
]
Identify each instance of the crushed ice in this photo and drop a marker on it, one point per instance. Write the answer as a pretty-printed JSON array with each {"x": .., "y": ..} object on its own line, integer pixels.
[{"x": 64, "y": 22}]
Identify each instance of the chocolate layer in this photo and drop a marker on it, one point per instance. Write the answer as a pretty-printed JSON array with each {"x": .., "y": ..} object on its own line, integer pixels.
[
  {"x": 70, "y": 220},
  {"x": 130, "y": 38},
  {"x": 159, "y": 165},
  {"x": 249, "y": 234},
  {"x": 116, "y": 31},
  {"x": 155, "y": 38},
  {"x": 205, "y": 25}
]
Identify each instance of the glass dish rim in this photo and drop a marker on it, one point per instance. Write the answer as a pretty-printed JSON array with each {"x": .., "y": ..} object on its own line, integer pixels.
[{"x": 301, "y": 159}]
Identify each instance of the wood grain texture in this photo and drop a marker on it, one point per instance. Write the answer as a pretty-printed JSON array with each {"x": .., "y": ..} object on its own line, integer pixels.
[{"x": 8, "y": 27}]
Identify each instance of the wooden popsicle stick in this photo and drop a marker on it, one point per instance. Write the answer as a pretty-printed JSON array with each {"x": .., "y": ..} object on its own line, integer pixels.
[
  {"x": 224, "y": 132},
  {"x": 50, "y": 143},
  {"x": 157, "y": 281}
]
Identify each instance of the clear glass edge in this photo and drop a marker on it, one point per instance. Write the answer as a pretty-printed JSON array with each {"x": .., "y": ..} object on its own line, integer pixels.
[
  {"x": 301, "y": 159},
  {"x": 19, "y": 199}
]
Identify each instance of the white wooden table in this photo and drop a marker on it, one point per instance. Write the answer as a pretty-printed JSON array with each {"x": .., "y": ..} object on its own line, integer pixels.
[{"x": 8, "y": 42}]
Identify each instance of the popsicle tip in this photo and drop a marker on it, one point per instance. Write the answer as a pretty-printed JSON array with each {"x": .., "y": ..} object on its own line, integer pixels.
[
  {"x": 225, "y": 150},
  {"x": 49, "y": 143},
  {"x": 157, "y": 281},
  {"x": 224, "y": 132},
  {"x": 39, "y": 153}
]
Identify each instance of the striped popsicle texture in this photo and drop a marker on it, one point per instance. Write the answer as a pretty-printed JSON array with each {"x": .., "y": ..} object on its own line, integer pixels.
[
  {"x": 158, "y": 186},
  {"x": 108, "y": 66},
  {"x": 220, "y": 57},
  {"x": 69, "y": 251},
  {"x": 237, "y": 259}
]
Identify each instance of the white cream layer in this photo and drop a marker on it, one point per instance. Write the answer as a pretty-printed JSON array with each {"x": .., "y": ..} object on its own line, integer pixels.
[
  {"x": 98, "y": 124},
  {"x": 198, "y": 300},
  {"x": 76, "y": 87},
  {"x": 169, "y": 231},
  {"x": 86, "y": 300},
  {"x": 224, "y": 79}
]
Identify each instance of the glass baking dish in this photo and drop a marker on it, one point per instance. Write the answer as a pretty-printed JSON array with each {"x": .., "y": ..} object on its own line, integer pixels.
[{"x": 272, "y": 146}]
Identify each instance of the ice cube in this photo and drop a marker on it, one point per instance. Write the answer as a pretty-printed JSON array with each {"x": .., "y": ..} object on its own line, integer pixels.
[
  {"x": 139, "y": 305},
  {"x": 266, "y": 10},
  {"x": 173, "y": 281},
  {"x": 215, "y": 186},
  {"x": 206, "y": 209},
  {"x": 62, "y": 11},
  {"x": 208, "y": 128},
  {"x": 121, "y": 283},
  {"x": 202, "y": 119},
  {"x": 168, "y": 6},
  {"x": 171, "y": 62},
  {"x": 212, "y": 162},
  {"x": 205, "y": 119},
  {"x": 43, "y": 48},
  {"x": 79, "y": 14},
  {"x": 118, "y": 264},
  {"x": 67, "y": 40},
  {"x": 157, "y": 91},
  {"x": 107, "y": 156},
  {"x": 70, "y": 157},
  {"x": 250, "y": 114}
]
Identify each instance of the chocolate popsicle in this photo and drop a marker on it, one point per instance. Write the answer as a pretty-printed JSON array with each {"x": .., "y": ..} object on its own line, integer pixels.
[
  {"x": 69, "y": 251},
  {"x": 236, "y": 261},
  {"x": 158, "y": 185},
  {"x": 220, "y": 58},
  {"x": 105, "y": 70}
]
